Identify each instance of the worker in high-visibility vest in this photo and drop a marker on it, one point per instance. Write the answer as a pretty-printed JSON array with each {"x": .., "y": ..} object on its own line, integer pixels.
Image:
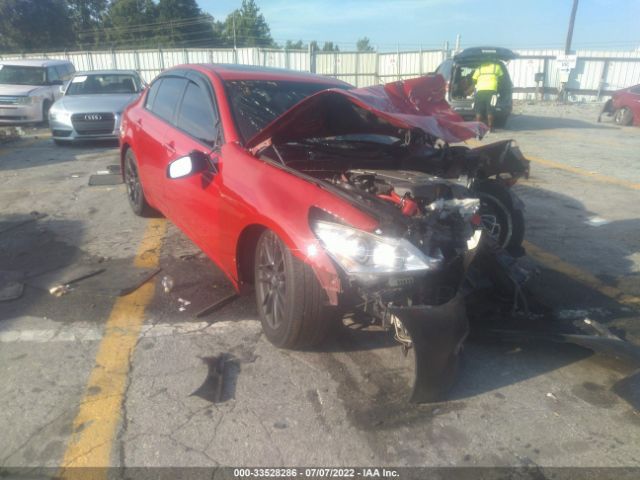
[{"x": 487, "y": 80}]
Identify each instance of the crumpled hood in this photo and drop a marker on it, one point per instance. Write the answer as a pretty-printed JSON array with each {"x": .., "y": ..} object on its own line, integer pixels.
[
  {"x": 418, "y": 103},
  {"x": 16, "y": 90},
  {"x": 115, "y": 103}
]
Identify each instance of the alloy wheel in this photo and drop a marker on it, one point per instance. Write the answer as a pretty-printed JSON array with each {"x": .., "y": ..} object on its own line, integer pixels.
[
  {"x": 271, "y": 282},
  {"x": 133, "y": 181}
]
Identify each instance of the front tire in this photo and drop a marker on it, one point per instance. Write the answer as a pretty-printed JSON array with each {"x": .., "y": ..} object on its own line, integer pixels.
[
  {"x": 135, "y": 192},
  {"x": 501, "y": 220},
  {"x": 623, "y": 117},
  {"x": 290, "y": 300}
]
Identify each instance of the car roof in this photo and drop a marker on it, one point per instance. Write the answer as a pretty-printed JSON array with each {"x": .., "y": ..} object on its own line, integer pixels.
[
  {"x": 106, "y": 72},
  {"x": 44, "y": 62},
  {"x": 250, "y": 72}
]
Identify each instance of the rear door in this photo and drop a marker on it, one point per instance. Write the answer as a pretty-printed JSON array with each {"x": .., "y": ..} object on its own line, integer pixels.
[
  {"x": 153, "y": 127},
  {"x": 194, "y": 201}
]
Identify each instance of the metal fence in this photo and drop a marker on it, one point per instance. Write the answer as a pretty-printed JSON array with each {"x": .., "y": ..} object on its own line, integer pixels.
[{"x": 595, "y": 75}]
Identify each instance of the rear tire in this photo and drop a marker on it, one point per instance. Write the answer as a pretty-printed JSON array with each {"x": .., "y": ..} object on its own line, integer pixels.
[
  {"x": 60, "y": 143},
  {"x": 496, "y": 204},
  {"x": 290, "y": 300},
  {"x": 135, "y": 192},
  {"x": 623, "y": 116},
  {"x": 500, "y": 121}
]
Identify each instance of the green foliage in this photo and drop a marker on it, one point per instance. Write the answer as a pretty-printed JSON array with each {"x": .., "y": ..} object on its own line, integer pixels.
[
  {"x": 363, "y": 45},
  {"x": 249, "y": 25},
  {"x": 186, "y": 24},
  {"x": 299, "y": 45},
  {"x": 49, "y": 25},
  {"x": 28, "y": 25},
  {"x": 132, "y": 23},
  {"x": 330, "y": 47},
  {"x": 87, "y": 17}
]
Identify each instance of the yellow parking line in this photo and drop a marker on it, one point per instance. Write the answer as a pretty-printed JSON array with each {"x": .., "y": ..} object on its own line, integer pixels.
[
  {"x": 554, "y": 262},
  {"x": 99, "y": 414}
]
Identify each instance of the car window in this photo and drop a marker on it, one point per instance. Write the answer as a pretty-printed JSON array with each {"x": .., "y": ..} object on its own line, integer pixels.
[
  {"x": 255, "y": 103},
  {"x": 151, "y": 96},
  {"x": 445, "y": 69},
  {"x": 52, "y": 75},
  {"x": 63, "y": 72},
  {"x": 196, "y": 116},
  {"x": 103, "y": 83},
  {"x": 167, "y": 97},
  {"x": 19, "y": 75},
  {"x": 635, "y": 90}
]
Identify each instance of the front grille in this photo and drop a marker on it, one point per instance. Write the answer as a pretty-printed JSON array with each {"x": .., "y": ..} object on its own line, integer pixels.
[
  {"x": 93, "y": 123},
  {"x": 6, "y": 100},
  {"x": 61, "y": 133},
  {"x": 13, "y": 117}
]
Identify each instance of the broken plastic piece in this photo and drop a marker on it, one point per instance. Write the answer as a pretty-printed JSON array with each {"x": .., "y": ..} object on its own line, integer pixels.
[
  {"x": 60, "y": 290},
  {"x": 167, "y": 283}
]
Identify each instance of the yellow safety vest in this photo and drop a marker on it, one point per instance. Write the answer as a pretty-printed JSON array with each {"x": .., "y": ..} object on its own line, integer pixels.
[{"x": 486, "y": 77}]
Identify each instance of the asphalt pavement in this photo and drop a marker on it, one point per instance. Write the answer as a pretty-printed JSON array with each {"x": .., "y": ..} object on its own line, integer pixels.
[{"x": 93, "y": 378}]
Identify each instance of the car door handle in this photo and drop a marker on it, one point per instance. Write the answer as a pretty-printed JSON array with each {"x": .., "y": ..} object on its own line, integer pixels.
[{"x": 170, "y": 147}]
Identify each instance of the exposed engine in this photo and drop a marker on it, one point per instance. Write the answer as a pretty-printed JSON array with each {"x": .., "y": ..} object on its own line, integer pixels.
[{"x": 442, "y": 218}]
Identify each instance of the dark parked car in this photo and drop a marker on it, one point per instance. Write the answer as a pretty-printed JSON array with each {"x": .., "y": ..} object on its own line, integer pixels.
[
  {"x": 458, "y": 71},
  {"x": 318, "y": 197},
  {"x": 624, "y": 106}
]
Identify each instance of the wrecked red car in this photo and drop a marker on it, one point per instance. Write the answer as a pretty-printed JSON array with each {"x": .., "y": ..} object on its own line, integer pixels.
[
  {"x": 324, "y": 199},
  {"x": 624, "y": 106}
]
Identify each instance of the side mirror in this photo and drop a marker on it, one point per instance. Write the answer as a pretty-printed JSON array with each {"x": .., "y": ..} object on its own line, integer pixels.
[
  {"x": 56, "y": 82},
  {"x": 193, "y": 163},
  {"x": 62, "y": 89}
]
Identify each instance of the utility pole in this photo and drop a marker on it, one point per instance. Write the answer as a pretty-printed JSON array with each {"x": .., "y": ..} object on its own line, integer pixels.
[
  {"x": 234, "y": 30},
  {"x": 567, "y": 47}
]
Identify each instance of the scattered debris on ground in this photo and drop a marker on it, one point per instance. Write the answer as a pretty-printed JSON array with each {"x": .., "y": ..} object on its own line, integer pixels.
[{"x": 9, "y": 134}]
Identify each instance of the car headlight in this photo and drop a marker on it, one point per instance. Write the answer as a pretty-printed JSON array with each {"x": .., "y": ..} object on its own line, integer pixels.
[
  {"x": 359, "y": 252},
  {"x": 60, "y": 116},
  {"x": 25, "y": 100}
]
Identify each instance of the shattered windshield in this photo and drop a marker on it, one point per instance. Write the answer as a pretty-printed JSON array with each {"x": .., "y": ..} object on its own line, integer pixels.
[
  {"x": 19, "y": 75},
  {"x": 256, "y": 103}
]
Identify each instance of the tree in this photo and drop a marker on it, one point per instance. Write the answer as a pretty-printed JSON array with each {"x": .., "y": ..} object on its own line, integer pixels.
[
  {"x": 249, "y": 27},
  {"x": 363, "y": 45},
  {"x": 299, "y": 45},
  {"x": 184, "y": 23},
  {"x": 132, "y": 23},
  {"x": 330, "y": 47},
  {"x": 28, "y": 25},
  {"x": 87, "y": 17}
]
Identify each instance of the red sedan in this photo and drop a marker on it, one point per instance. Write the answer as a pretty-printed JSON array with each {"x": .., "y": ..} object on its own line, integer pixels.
[
  {"x": 318, "y": 197},
  {"x": 624, "y": 105}
]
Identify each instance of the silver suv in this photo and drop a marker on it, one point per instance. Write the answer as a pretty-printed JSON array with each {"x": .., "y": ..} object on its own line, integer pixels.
[{"x": 28, "y": 88}]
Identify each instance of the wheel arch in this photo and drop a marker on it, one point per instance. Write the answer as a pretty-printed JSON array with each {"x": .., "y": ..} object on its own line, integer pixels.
[
  {"x": 123, "y": 151},
  {"x": 246, "y": 252}
]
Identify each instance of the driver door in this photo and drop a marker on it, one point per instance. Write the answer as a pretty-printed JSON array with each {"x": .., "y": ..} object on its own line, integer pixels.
[{"x": 194, "y": 201}]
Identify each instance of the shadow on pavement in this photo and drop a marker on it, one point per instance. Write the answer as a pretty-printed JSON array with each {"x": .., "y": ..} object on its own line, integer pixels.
[{"x": 517, "y": 123}]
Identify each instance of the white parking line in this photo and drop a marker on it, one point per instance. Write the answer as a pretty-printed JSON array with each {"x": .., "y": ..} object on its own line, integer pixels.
[{"x": 73, "y": 333}]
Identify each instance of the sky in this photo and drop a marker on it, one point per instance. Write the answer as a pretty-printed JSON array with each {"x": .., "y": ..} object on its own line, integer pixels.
[{"x": 389, "y": 24}]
